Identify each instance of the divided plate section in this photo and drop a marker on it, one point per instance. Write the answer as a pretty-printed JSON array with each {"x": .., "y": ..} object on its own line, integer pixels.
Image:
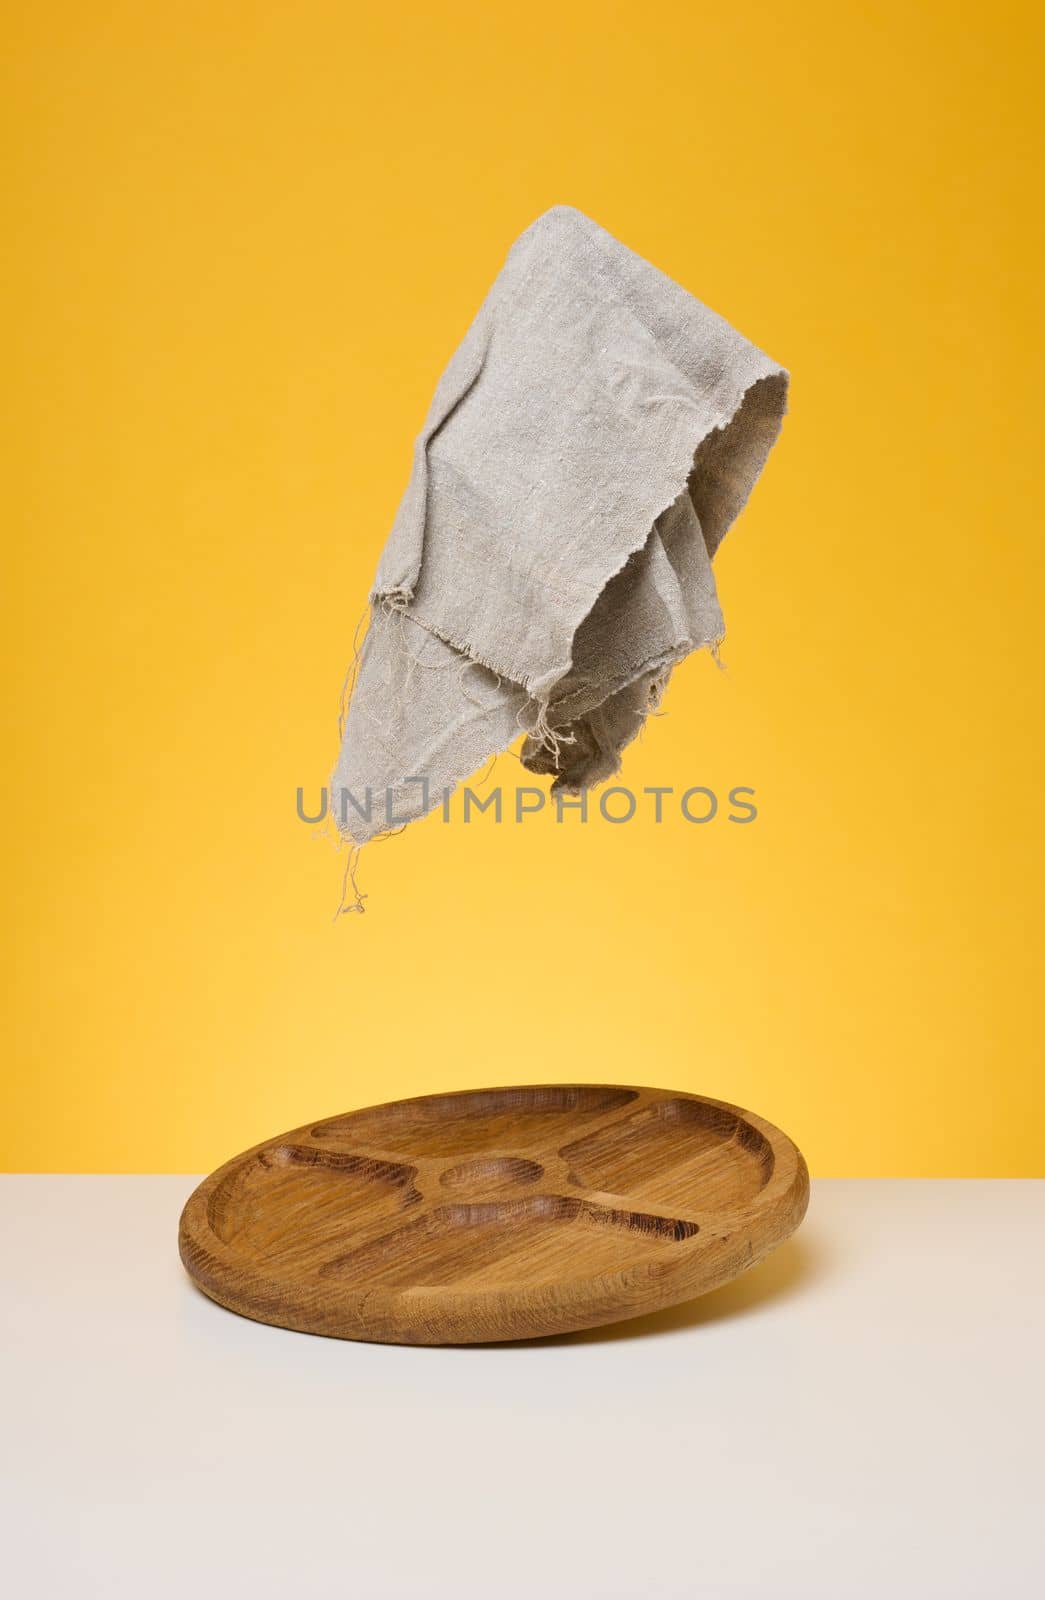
[
  {"x": 491, "y": 1175},
  {"x": 289, "y": 1208},
  {"x": 681, "y": 1154},
  {"x": 454, "y": 1126},
  {"x": 537, "y": 1242}
]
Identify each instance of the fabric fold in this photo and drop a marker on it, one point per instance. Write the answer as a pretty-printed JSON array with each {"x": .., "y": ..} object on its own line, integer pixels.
[{"x": 587, "y": 448}]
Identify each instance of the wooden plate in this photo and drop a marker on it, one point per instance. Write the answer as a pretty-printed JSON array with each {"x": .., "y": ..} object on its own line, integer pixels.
[{"x": 493, "y": 1214}]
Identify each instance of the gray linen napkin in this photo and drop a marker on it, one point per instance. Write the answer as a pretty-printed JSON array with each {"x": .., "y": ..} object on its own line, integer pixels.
[{"x": 589, "y": 444}]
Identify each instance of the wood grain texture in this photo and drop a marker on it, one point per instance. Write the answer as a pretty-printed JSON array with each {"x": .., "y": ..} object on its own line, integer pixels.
[{"x": 494, "y": 1213}]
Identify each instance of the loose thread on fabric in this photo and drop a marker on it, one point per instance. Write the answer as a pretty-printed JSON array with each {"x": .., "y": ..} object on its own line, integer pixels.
[{"x": 349, "y": 881}]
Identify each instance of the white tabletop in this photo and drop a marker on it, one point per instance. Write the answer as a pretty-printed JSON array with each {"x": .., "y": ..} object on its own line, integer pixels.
[{"x": 862, "y": 1415}]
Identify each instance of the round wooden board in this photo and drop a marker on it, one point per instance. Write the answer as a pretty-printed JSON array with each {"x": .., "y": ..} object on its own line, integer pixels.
[{"x": 494, "y": 1213}]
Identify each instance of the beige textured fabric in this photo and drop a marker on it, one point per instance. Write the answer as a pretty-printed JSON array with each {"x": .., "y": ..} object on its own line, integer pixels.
[{"x": 587, "y": 447}]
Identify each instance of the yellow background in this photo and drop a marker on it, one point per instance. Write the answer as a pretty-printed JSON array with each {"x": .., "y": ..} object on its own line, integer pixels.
[{"x": 244, "y": 239}]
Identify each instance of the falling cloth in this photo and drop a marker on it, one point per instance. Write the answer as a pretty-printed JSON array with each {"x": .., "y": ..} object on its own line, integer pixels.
[{"x": 588, "y": 446}]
